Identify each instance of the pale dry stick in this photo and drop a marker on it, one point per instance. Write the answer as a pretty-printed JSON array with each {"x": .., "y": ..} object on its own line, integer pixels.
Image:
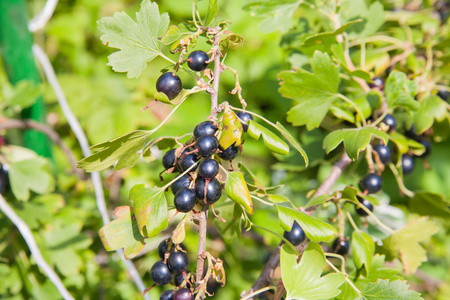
[
  {"x": 34, "y": 249},
  {"x": 41, "y": 19}
]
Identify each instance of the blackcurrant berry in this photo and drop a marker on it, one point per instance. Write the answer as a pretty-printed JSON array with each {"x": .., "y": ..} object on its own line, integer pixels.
[
  {"x": 163, "y": 248},
  {"x": 411, "y": 133},
  {"x": 182, "y": 294},
  {"x": 390, "y": 121},
  {"x": 188, "y": 161},
  {"x": 377, "y": 82},
  {"x": 160, "y": 273},
  {"x": 207, "y": 145},
  {"x": 407, "y": 164},
  {"x": 185, "y": 200},
  {"x": 371, "y": 183},
  {"x": 197, "y": 60},
  {"x": 182, "y": 182},
  {"x": 245, "y": 117},
  {"x": 169, "y": 84},
  {"x": 208, "y": 168},
  {"x": 367, "y": 204},
  {"x": 384, "y": 153},
  {"x": 230, "y": 153},
  {"x": 296, "y": 235},
  {"x": 180, "y": 278},
  {"x": 167, "y": 295},
  {"x": 341, "y": 247},
  {"x": 445, "y": 95},
  {"x": 427, "y": 144},
  {"x": 213, "y": 190},
  {"x": 178, "y": 262},
  {"x": 4, "y": 179},
  {"x": 206, "y": 127},
  {"x": 169, "y": 159}
]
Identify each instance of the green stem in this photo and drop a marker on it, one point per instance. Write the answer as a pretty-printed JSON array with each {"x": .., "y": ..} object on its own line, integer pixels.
[
  {"x": 379, "y": 120},
  {"x": 352, "y": 222},
  {"x": 277, "y": 235},
  {"x": 262, "y": 201},
  {"x": 267, "y": 288},
  {"x": 389, "y": 230},
  {"x": 346, "y": 278},
  {"x": 400, "y": 183},
  {"x": 179, "y": 176},
  {"x": 341, "y": 258}
]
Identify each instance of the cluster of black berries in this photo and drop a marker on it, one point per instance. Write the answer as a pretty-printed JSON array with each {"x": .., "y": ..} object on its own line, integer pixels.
[
  {"x": 4, "y": 179},
  {"x": 173, "y": 265},
  {"x": 170, "y": 84}
]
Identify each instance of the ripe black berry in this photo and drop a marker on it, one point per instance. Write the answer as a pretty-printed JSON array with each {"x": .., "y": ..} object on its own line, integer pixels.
[
  {"x": 206, "y": 127},
  {"x": 185, "y": 200},
  {"x": 178, "y": 262},
  {"x": 367, "y": 204},
  {"x": 390, "y": 121},
  {"x": 377, "y": 82},
  {"x": 230, "y": 153},
  {"x": 188, "y": 161},
  {"x": 180, "y": 278},
  {"x": 160, "y": 273},
  {"x": 371, "y": 183},
  {"x": 444, "y": 94},
  {"x": 197, "y": 60},
  {"x": 4, "y": 179},
  {"x": 207, "y": 145},
  {"x": 213, "y": 190},
  {"x": 169, "y": 159},
  {"x": 296, "y": 235},
  {"x": 208, "y": 168},
  {"x": 169, "y": 84},
  {"x": 341, "y": 247},
  {"x": 407, "y": 164},
  {"x": 245, "y": 117},
  {"x": 427, "y": 144},
  {"x": 384, "y": 153},
  {"x": 167, "y": 295},
  {"x": 182, "y": 182},
  {"x": 163, "y": 248},
  {"x": 182, "y": 294}
]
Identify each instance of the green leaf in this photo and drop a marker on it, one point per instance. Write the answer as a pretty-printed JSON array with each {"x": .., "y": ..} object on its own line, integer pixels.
[
  {"x": 315, "y": 229},
  {"x": 349, "y": 193},
  {"x": 318, "y": 200},
  {"x": 303, "y": 280},
  {"x": 232, "y": 227},
  {"x": 272, "y": 142},
  {"x": 400, "y": 91},
  {"x": 213, "y": 8},
  {"x": 404, "y": 144},
  {"x": 363, "y": 249},
  {"x": 250, "y": 176},
  {"x": 22, "y": 95},
  {"x": 137, "y": 40},
  {"x": 159, "y": 96},
  {"x": 355, "y": 139},
  {"x": 293, "y": 142},
  {"x": 30, "y": 175},
  {"x": 314, "y": 91},
  {"x": 124, "y": 150},
  {"x": 431, "y": 108},
  {"x": 237, "y": 190},
  {"x": 150, "y": 209},
  {"x": 429, "y": 204},
  {"x": 122, "y": 233},
  {"x": 373, "y": 17},
  {"x": 404, "y": 243},
  {"x": 385, "y": 289},
  {"x": 328, "y": 38}
]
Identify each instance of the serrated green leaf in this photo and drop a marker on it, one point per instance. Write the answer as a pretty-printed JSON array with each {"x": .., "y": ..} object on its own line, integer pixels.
[
  {"x": 292, "y": 141},
  {"x": 22, "y": 95},
  {"x": 318, "y": 200},
  {"x": 328, "y": 38},
  {"x": 349, "y": 193},
  {"x": 315, "y": 229},
  {"x": 237, "y": 190},
  {"x": 429, "y": 204},
  {"x": 400, "y": 91},
  {"x": 373, "y": 17},
  {"x": 122, "y": 233},
  {"x": 404, "y": 243},
  {"x": 363, "y": 249},
  {"x": 314, "y": 91},
  {"x": 303, "y": 280},
  {"x": 385, "y": 289},
  {"x": 431, "y": 108},
  {"x": 30, "y": 175},
  {"x": 213, "y": 8},
  {"x": 355, "y": 139},
  {"x": 150, "y": 209},
  {"x": 124, "y": 150},
  {"x": 137, "y": 40},
  {"x": 272, "y": 142}
]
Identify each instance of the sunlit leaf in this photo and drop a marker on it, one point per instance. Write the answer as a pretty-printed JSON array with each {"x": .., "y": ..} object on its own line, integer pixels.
[
  {"x": 385, "y": 289},
  {"x": 237, "y": 190},
  {"x": 271, "y": 140}
]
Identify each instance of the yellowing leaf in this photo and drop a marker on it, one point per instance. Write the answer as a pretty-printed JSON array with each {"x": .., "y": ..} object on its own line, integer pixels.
[
  {"x": 237, "y": 190},
  {"x": 232, "y": 130}
]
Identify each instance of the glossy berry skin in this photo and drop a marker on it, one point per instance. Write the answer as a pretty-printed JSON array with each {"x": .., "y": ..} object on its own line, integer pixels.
[
  {"x": 188, "y": 161},
  {"x": 384, "y": 153},
  {"x": 390, "y": 121},
  {"x": 185, "y": 200},
  {"x": 377, "y": 82},
  {"x": 407, "y": 164},
  {"x": 182, "y": 182},
  {"x": 4, "y": 179},
  {"x": 180, "y": 278},
  {"x": 444, "y": 95},
  {"x": 230, "y": 153},
  {"x": 296, "y": 235},
  {"x": 163, "y": 248},
  {"x": 207, "y": 145},
  {"x": 341, "y": 247},
  {"x": 245, "y": 117},
  {"x": 160, "y": 273},
  {"x": 182, "y": 294},
  {"x": 213, "y": 190},
  {"x": 197, "y": 60},
  {"x": 178, "y": 262},
  {"x": 371, "y": 183},
  {"x": 367, "y": 204},
  {"x": 169, "y": 159},
  {"x": 208, "y": 168},
  {"x": 206, "y": 127},
  {"x": 169, "y": 84},
  {"x": 427, "y": 144},
  {"x": 167, "y": 295}
]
